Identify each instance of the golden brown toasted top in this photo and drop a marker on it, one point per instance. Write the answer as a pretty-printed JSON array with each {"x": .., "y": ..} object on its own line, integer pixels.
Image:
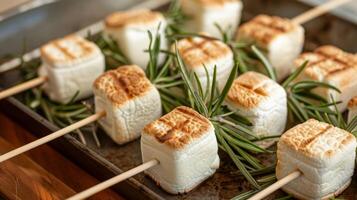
[
  {"x": 326, "y": 62},
  {"x": 213, "y": 2},
  {"x": 122, "y": 84},
  {"x": 249, "y": 89},
  {"x": 179, "y": 127},
  {"x": 353, "y": 102},
  {"x": 132, "y": 17},
  {"x": 69, "y": 49},
  {"x": 264, "y": 28},
  {"x": 316, "y": 139},
  {"x": 198, "y": 51}
]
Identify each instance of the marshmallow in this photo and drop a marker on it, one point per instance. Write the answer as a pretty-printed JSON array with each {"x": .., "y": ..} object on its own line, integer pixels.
[
  {"x": 204, "y": 14},
  {"x": 261, "y": 100},
  {"x": 323, "y": 153},
  {"x": 333, "y": 66},
  {"x": 198, "y": 53},
  {"x": 71, "y": 64},
  {"x": 282, "y": 40},
  {"x": 185, "y": 145},
  {"x": 130, "y": 30},
  {"x": 129, "y": 100}
]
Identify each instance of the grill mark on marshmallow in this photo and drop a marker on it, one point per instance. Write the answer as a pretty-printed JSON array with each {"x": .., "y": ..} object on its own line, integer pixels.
[
  {"x": 133, "y": 17},
  {"x": 304, "y": 144},
  {"x": 179, "y": 127},
  {"x": 86, "y": 48},
  {"x": 264, "y": 28},
  {"x": 248, "y": 90},
  {"x": 64, "y": 50},
  {"x": 211, "y": 49},
  {"x": 328, "y": 62},
  {"x": 316, "y": 139},
  {"x": 122, "y": 84}
]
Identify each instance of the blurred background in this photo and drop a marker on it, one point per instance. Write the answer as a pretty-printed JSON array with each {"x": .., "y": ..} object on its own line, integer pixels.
[{"x": 26, "y": 24}]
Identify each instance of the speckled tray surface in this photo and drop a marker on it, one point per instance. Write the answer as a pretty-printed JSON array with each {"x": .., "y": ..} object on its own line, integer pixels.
[{"x": 111, "y": 159}]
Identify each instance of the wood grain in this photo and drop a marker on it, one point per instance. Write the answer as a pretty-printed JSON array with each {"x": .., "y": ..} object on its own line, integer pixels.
[{"x": 55, "y": 177}]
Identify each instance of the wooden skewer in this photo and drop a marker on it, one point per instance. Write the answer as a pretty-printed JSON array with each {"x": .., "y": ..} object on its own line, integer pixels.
[
  {"x": 267, "y": 191},
  {"x": 52, "y": 136},
  {"x": 117, "y": 179},
  {"x": 319, "y": 10},
  {"x": 22, "y": 87}
]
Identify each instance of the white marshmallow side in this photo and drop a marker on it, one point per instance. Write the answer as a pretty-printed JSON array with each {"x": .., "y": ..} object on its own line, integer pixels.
[
  {"x": 63, "y": 83},
  {"x": 305, "y": 189},
  {"x": 203, "y": 18},
  {"x": 283, "y": 50},
  {"x": 134, "y": 41},
  {"x": 181, "y": 170},
  {"x": 269, "y": 117},
  {"x": 124, "y": 123}
]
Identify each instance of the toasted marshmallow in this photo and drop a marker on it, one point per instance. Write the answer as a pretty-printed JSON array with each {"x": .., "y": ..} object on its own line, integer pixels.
[
  {"x": 129, "y": 100},
  {"x": 333, "y": 66},
  {"x": 71, "y": 64},
  {"x": 130, "y": 30},
  {"x": 205, "y": 14},
  {"x": 323, "y": 153},
  {"x": 352, "y": 108},
  {"x": 185, "y": 145},
  {"x": 282, "y": 39},
  {"x": 261, "y": 100},
  {"x": 198, "y": 53}
]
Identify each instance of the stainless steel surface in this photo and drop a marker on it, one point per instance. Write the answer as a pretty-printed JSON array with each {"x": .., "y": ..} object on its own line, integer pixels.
[{"x": 39, "y": 25}]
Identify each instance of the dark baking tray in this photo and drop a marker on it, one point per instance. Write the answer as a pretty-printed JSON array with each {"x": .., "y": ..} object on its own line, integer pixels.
[{"x": 111, "y": 159}]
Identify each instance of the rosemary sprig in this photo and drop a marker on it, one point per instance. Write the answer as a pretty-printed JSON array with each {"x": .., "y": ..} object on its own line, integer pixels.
[
  {"x": 114, "y": 57},
  {"x": 231, "y": 135},
  {"x": 175, "y": 19},
  {"x": 166, "y": 79}
]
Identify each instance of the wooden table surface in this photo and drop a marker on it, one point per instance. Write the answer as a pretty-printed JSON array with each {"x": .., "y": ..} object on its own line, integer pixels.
[{"x": 41, "y": 173}]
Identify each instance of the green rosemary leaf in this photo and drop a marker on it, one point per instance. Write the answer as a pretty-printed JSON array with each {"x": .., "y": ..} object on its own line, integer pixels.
[
  {"x": 224, "y": 33},
  {"x": 308, "y": 85},
  {"x": 298, "y": 107},
  {"x": 242, "y": 64},
  {"x": 168, "y": 85},
  {"x": 294, "y": 75},
  {"x": 267, "y": 178},
  {"x": 208, "y": 85},
  {"x": 320, "y": 109},
  {"x": 198, "y": 85},
  {"x": 285, "y": 197},
  {"x": 198, "y": 100},
  {"x": 311, "y": 96},
  {"x": 250, "y": 193},
  {"x": 249, "y": 145},
  {"x": 225, "y": 90},
  {"x": 352, "y": 125},
  {"x": 269, "y": 69},
  {"x": 238, "y": 140},
  {"x": 250, "y": 159},
  {"x": 294, "y": 111},
  {"x": 213, "y": 90},
  {"x": 237, "y": 162},
  {"x": 164, "y": 69}
]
